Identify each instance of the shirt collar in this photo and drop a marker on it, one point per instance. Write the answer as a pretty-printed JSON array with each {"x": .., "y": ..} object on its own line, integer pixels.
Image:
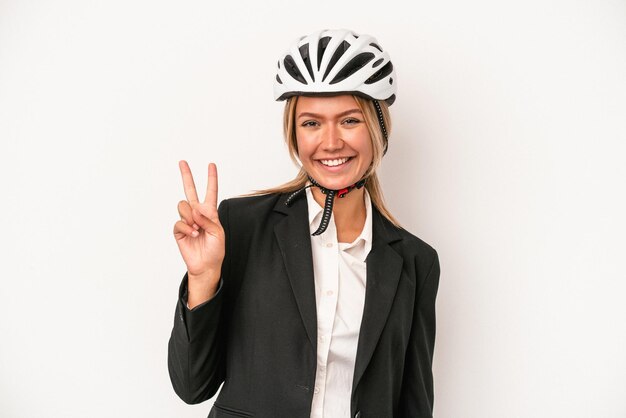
[{"x": 315, "y": 215}]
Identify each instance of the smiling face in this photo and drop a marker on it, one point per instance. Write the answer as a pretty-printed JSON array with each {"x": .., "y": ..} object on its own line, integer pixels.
[{"x": 334, "y": 143}]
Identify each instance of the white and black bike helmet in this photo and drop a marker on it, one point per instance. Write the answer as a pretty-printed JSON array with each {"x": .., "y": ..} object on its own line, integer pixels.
[{"x": 331, "y": 62}]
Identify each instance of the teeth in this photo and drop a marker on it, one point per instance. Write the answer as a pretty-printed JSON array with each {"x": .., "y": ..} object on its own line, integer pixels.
[{"x": 332, "y": 163}]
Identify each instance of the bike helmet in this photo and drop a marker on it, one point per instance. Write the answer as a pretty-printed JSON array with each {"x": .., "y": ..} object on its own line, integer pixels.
[{"x": 331, "y": 62}]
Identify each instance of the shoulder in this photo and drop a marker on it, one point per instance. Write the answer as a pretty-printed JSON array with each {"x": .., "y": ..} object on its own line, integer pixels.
[
  {"x": 416, "y": 243},
  {"x": 248, "y": 210},
  {"x": 409, "y": 244},
  {"x": 420, "y": 254}
]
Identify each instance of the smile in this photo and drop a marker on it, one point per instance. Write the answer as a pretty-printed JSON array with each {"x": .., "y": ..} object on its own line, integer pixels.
[{"x": 335, "y": 162}]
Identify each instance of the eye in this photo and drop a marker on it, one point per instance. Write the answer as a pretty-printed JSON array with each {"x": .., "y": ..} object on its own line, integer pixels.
[
  {"x": 309, "y": 123},
  {"x": 351, "y": 121}
]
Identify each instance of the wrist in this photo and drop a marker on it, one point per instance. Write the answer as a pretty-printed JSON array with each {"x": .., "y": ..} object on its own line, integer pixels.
[
  {"x": 204, "y": 278},
  {"x": 201, "y": 288}
]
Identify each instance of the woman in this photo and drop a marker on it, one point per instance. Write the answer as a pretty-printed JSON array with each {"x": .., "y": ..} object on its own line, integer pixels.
[{"x": 308, "y": 300}]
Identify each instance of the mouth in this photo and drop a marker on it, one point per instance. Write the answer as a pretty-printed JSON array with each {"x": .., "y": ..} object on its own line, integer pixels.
[{"x": 335, "y": 162}]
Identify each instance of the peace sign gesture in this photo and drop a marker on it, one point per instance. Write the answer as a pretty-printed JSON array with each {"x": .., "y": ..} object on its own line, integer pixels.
[{"x": 199, "y": 234}]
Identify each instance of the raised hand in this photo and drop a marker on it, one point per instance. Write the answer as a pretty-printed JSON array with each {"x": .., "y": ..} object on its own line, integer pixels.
[{"x": 199, "y": 234}]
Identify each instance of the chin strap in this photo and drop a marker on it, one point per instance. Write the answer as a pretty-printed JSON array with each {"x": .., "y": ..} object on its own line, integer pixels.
[
  {"x": 330, "y": 199},
  {"x": 381, "y": 122}
]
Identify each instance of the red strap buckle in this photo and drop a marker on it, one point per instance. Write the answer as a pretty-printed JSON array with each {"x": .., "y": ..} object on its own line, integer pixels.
[{"x": 343, "y": 192}]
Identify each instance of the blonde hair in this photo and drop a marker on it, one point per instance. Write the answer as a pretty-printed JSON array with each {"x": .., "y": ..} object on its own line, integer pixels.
[{"x": 378, "y": 145}]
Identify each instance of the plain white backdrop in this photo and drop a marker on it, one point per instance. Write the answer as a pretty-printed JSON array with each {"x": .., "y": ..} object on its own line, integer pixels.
[{"x": 507, "y": 156}]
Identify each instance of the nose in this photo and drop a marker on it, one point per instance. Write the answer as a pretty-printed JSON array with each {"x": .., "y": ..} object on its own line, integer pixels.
[{"x": 331, "y": 138}]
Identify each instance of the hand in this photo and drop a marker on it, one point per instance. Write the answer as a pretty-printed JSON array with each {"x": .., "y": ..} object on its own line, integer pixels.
[{"x": 199, "y": 234}]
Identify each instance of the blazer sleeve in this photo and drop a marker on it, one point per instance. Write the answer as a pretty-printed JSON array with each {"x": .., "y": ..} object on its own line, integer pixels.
[
  {"x": 417, "y": 394},
  {"x": 196, "y": 348}
]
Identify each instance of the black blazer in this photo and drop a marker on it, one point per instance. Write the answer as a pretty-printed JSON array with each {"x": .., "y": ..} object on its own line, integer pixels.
[{"x": 258, "y": 334}]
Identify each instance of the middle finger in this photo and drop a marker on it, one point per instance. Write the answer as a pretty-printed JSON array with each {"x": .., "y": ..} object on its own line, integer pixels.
[{"x": 188, "y": 183}]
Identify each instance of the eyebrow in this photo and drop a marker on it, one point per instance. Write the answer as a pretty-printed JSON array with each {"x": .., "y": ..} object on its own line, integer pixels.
[{"x": 315, "y": 115}]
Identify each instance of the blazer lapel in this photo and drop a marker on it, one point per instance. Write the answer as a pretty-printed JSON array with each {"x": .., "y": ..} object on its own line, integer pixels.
[
  {"x": 293, "y": 236},
  {"x": 383, "y": 266}
]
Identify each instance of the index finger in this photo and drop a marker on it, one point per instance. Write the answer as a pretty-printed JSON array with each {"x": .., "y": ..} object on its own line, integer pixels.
[
  {"x": 211, "y": 187},
  {"x": 188, "y": 184}
]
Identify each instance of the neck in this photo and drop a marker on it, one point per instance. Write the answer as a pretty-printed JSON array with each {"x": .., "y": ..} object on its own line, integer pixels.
[{"x": 349, "y": 212}]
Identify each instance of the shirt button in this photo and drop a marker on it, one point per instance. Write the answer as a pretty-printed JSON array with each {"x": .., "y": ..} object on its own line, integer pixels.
[
  {"x": 329, "y": 293},
  {"x": 329, "y": 245},
  {"x": 322, "y": 338},
  {"x": 316, "y": 390}
]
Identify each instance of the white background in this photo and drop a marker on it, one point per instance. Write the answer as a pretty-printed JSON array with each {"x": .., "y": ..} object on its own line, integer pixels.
[{"x": 507, "y": 156}]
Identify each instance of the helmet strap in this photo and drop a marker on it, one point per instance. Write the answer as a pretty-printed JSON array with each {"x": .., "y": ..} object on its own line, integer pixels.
[
  {"x": 381, "y": 122},
  {"x": 330, "y": 199}
]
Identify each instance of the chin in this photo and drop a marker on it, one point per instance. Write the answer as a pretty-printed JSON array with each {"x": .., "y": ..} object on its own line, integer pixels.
[{"x": 335, "y": 183}]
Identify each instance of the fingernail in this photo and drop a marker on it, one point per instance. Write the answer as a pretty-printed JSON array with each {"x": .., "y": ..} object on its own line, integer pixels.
[
  {"x": 196, "y": 226},
  {"x": 194, "y": 234}
]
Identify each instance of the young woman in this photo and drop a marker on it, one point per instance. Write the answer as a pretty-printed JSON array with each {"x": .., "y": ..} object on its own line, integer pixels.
[{"x": 308, "y": 300}]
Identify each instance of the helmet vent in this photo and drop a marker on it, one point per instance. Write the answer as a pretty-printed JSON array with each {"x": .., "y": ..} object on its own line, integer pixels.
[
  {"x": 304, "y": 53},
  {"x": 354, "y": 65},
  {"x": 292, "y": 69},
  {"x": 341, "y": 49},
  {"x": 278, "y": 79},
  {"x": 376, "y": 46},
  {"x": 380, "y": 74},
  {"x": 377, "y": 62},
  {"x": 321, "y": 48}
]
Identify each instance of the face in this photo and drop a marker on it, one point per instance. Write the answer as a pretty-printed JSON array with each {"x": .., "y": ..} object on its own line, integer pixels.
[{"x": 334, "y": 144}]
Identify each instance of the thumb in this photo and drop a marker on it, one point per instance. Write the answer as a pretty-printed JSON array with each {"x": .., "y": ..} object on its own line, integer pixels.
[{"x": 207, "y": 212}]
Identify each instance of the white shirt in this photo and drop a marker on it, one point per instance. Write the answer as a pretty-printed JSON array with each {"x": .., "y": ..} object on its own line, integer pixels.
[{"x": 339, "y": 270}]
